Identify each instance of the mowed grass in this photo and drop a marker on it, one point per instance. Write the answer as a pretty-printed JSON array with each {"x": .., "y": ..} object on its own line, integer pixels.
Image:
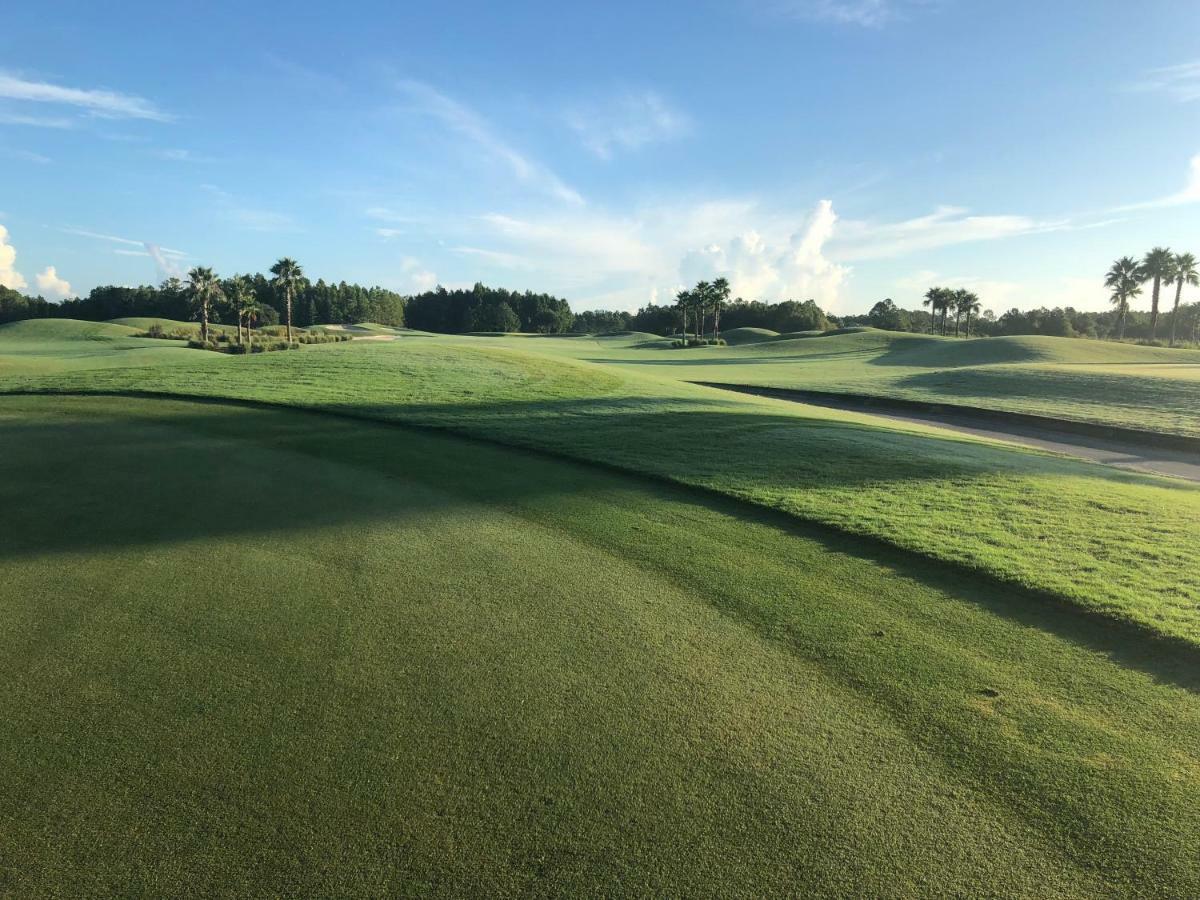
[
  {"x": 1148, "y": 388},
  {"x": 1114, "y": 542},
  {"x": 263, "y": 652}
]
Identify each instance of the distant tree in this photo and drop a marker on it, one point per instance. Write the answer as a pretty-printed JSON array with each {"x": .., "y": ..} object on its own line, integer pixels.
[
  {"x": 700, "y": 300},
  {"x": 1185, "y": 272},
  {"x": 684, "y": 302},
  {"x": 287, "y": 274},
  {"x": 1123, "y": 279},
  {"x": 966, "y": 303},
  {"x": 938, "y": 301},
  {"x": 886, "y": 315},
  {"x": 1157, "y": 267},
  {"x": 720, "y": 299},
  {"x": 205, "y": 290},
  {"x": 241, "y": 295}
]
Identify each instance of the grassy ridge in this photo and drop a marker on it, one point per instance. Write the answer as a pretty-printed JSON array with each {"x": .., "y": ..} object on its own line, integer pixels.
[
  {"x": 1115, "y": 542},
  {"x": 494, "y": 673},
  {"x": 1092, "y": 381}
]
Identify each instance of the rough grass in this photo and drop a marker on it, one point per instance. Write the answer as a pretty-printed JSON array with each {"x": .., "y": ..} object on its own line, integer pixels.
[
  {"x": 448, "y": 668},
  {"x": 1114, "y": 542}
]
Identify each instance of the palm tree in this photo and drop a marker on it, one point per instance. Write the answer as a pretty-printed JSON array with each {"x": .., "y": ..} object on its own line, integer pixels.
[
  {"x": 205, "y": 290},
  {"x": 251, "y": 311},
  {"x": 683, "y": 300},
  {"x": 720, "y": 297},
  {"x": 932, "y": 298},
  {"x": 1124, "y": 278},
  {"x": 287, "y": 274},
  {"x": 240, "y": 295},
  {"x": 1156, "y": 267},
  {"x": 966, "y": 303},
  {"x": 700, "y": 298},
  {"x": 1185, "y": 272}
]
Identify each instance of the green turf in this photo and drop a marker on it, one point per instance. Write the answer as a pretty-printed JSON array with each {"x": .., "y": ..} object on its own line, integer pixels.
[
  {"x": 268, "y": 653},
  {"x": 1151, "y": 388},
  {"x": 1112, "y": 541}
]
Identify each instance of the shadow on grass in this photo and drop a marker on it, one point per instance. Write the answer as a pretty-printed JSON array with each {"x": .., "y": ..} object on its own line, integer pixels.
[{"x": 140, "y": 475}]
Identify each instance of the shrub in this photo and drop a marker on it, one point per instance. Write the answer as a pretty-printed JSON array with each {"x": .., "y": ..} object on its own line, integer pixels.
[
  {"x": 155, "y": 331},
  {"x": 238, "y": 348}
]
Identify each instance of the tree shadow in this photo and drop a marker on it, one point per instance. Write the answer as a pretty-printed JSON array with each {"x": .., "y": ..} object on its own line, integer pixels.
[{"x": 175, "y": 471}]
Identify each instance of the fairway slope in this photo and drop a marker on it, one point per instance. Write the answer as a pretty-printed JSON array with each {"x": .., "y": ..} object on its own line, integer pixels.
[{"x": 449, "y": 668}]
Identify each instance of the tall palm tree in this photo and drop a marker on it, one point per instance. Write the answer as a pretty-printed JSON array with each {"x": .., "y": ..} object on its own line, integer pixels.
[
  {"x": 288, "y": 275},
  {"x": 966, "y": 303},
  {"x": 251, "y": 311},
  {"x": 720, "y": 297},
  {"x": 1124, "y": 279},
  {"x": 700, "y": 298},
  {"x": 1157, "y": 267},
  {"x": 205, "y": 290},
  {"x": 1185, "y": 272},
  {"x": 240, "y": 295},
  {"x": 932, "y": 299},
  {"x": 683, "y": 301}
]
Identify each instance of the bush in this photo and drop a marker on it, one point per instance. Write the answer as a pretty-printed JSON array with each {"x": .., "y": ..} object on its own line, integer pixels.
[
  {"x": 155, "y": 331},
  {"x": 237, "y": 348}
]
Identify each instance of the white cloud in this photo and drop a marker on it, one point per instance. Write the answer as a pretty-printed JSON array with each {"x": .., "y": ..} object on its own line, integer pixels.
[
  {"x": 48, "y": 282},
  {"x": 943, "y": 227},
  {"x": 7, "y": 118},
  {"x": 866, "y": 13},
  {"x": 28, "y": 156},
  {"x": 176, "y": 154},
  {"x": 105, "y": 104},
  {"x": 496, "y": 257},
  {"x": 419, "y": 278},
  {"x": 627, "y": 122},
  {"x": 467, "y": 123},
  {"x": 248, "y": 217},
  {"x": 9, "y": 276},
  {"x": 1189, "y": 193},
  {"x": 756, "y": 268},
  {"x": 1181, "y": 82}
]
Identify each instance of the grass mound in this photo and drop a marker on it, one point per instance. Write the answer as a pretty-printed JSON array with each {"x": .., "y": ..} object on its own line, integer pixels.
[
  {"x": 192, "y": 329},
  {"x": 53, "y": 331},
  {"x": 737, "y": 336}
]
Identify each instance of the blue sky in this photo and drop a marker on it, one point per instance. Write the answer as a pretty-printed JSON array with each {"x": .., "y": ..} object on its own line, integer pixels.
[{"x": 844, "y": 150}]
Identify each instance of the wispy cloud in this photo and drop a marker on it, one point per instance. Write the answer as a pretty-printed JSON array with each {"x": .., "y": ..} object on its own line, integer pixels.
[
  {"x": 864, "y": 13},
  {"x": 166, "y": 261},
  {"x": 102, "y": 103},
  {"x": 176, "y": 154},
  {"x": 1189, "y": 193},
  {"x": 468, "y": 124},
  {"x": 249, "y": 217},
  {"x": 1181, "y": 82},
  {"x": 497, "y": 257},
  {"x": 945, "y": 226},
  {"x": 26, "y": 155},
  {"x": 8, "y": 118},
  {"x": 627, "y": 122}
]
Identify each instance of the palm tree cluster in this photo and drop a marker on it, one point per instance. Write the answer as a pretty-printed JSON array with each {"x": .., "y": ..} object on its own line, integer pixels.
[
  {"x": 941, "y": 301},
  {"x": 204, "y": 287},
  {"x": 1158, "y": 267},
  {"x": 706, "y": 297}
]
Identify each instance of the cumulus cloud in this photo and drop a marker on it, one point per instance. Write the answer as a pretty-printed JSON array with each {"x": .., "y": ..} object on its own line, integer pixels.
[
  {"x": 9, "y": 276},
  {"x": 419, "y": 278},
  {"x": 758, "y": 269},
  {"x": 102, "y": 103},
  {"x": 628, "y": 122},
  {"x": 48, "y": 282}
]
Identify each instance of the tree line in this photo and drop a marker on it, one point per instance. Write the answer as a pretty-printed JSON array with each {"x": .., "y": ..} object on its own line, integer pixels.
[{"x": 485, "y": 309}]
